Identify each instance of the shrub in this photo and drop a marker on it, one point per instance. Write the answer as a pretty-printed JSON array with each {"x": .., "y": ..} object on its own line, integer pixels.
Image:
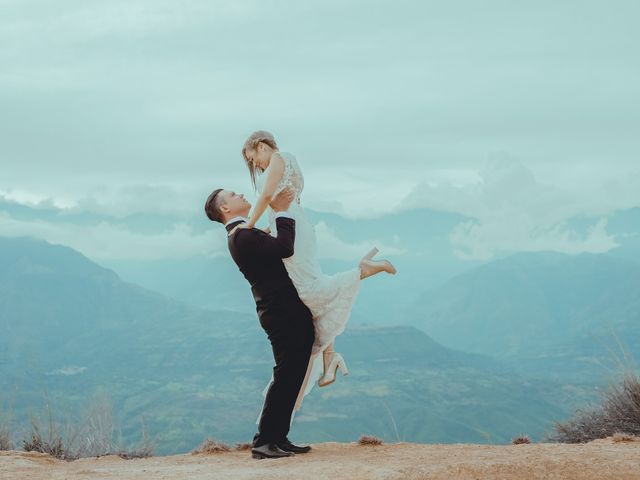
[
  {"x": 520, "y": 439},
  {"x": 619, "y": 411},
  {"x": 211, "y": 446},
  {"x": 91, "y": 436},
  {"x": 53, "y": 444},
  {"x": 5, "y": 438},
  {"x": 369, "y": 440},
  {"x": 625, "y": 437}
]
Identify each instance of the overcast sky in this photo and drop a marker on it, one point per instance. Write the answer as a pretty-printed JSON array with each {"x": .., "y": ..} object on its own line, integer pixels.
[{"x": 134, "y": 105}]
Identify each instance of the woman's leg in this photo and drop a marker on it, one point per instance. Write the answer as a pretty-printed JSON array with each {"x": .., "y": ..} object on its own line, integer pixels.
[{"x": 327, "y": 354}]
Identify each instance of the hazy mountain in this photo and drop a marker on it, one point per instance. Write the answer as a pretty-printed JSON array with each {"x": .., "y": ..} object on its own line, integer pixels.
[
  {"x": 72, "y": 327},
  {"x": 626, "y": 226},
  {"x": 423, "y": 234},
  {"x": 556, "y": 310}
]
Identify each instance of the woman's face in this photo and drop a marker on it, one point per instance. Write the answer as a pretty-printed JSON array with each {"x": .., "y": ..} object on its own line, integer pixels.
[{"x": 260, "y": 156}]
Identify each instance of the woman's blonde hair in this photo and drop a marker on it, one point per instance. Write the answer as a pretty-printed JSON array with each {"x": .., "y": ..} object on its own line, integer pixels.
[{"x": 251, "y": 143}]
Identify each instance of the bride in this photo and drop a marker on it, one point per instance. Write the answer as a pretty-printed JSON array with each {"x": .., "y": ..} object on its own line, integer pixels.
[{"x": 328, "y": 297}]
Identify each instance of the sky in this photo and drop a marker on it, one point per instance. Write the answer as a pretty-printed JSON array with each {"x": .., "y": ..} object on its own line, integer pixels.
[{"x": 515, "y": 113}]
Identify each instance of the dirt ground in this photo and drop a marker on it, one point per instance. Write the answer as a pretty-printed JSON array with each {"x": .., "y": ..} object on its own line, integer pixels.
[{"x": 600, "y": 459}]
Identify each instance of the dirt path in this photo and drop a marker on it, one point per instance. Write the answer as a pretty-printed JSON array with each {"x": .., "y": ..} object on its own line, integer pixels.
[{"x": 601, "y": 459}]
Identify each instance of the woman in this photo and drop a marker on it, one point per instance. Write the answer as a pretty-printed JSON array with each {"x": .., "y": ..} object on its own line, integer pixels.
[{"x": 328, "y": 297}]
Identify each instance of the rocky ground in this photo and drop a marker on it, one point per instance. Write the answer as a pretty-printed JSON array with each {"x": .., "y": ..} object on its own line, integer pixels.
[{"x": 600, "y": 459}]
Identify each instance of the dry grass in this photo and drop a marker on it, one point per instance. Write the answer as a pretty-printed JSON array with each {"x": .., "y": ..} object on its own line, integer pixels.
[
  {"x": 5, "y": 438},
  {"x": 53, "y": 445},
  {"x": 243, "y": 446},
  {"x": 619, "y": 411},
  {"x": 211, "y": 446},
  {"x": 91, "y": 436},
  {"x": 625, "y": 437},
  {"x": 6, "y": 442},
  {"x": 369, "y": 440},
  {"x": 143, "y": 451},
  {"x": 520, "y": 439}
]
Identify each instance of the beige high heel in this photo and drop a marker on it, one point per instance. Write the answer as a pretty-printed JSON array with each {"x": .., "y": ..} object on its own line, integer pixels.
[
  {"x": 370, "y": 254},
  {"x": 329, "y": 376}
]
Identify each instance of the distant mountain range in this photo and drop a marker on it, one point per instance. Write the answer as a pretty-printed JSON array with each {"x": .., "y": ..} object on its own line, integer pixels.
[
  {"x": 71, "y": 327},
  {"x": 540, "y": 310},
  {"x": 424, "y": 235}
]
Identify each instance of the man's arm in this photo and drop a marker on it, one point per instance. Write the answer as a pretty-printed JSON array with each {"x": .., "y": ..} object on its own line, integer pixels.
[{"x": 264, "y": 245}]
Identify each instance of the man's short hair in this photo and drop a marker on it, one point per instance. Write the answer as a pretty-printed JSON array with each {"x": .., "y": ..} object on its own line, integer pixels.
[{"x": 212, "y": 206}]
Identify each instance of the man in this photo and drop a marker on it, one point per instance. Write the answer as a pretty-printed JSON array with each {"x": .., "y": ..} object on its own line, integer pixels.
[{"x": 284, "y": 317}]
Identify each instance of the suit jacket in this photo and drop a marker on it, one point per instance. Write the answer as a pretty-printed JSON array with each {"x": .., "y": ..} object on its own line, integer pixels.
[{"x": 259, "y": 258}]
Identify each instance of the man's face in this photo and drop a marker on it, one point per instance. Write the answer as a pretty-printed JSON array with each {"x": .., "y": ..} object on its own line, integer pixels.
[{"x": 234, "y": 204}]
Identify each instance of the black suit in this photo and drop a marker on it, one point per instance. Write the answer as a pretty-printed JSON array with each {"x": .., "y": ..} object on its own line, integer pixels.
[{"x": 285, "y": 318}]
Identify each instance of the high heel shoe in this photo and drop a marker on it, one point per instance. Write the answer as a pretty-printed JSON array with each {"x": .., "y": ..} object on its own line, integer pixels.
[
  {"x": 370, "y": 254},
  {"x": 337, "y": 362}
]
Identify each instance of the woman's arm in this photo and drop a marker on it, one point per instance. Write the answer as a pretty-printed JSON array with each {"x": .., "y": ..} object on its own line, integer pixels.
[{"x": 274, "y": 175}]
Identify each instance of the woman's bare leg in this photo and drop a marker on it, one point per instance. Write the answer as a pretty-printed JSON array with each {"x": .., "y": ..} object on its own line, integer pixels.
[{"x": 327, "y": 353}]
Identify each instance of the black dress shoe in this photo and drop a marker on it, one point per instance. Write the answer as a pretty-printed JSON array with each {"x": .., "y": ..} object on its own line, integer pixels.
[
  {"x": 287, "y": 446},
  {"x": 269, "y": 450}
]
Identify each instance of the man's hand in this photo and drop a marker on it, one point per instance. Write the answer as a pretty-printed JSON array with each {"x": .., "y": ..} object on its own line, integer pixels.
[{"x": 281, "y": 202}]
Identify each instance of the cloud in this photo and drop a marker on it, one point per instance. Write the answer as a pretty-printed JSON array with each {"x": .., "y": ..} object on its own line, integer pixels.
[
  {"x": 141, "y": 106},
  {"x": 102, "y": 232},
  {"x": 106, "y": 241},
  {"x": 512, "y": 211},
  {"x": 330, "y": 246},
  {"x": 481, "y": 241}
]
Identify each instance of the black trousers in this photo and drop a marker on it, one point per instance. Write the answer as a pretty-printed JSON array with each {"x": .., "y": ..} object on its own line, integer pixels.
[{"x": 289, "y": 327}]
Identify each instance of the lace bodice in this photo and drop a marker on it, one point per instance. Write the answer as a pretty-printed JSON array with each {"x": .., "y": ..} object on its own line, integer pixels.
[{"x": 291, "y": 177}]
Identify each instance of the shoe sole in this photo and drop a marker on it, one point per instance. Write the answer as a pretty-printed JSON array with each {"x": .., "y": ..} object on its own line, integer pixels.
[
  {"x": 261, "y": 456},
  {"x": 344, "y": 374},
  {"x": 325, "y": 384}
]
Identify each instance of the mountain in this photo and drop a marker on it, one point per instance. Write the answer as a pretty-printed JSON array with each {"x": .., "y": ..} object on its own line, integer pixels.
[
  {"x": 72, "y": 328},
  {"x": 625, "y": 225},
  {"x": 542, "y": 309},
  {"x": 427, "y": 260},
  {"x": 423, "y": 254}
]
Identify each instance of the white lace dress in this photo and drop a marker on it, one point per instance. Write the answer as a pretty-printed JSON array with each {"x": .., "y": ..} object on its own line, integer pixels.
[{"x": 328, "y": 297}]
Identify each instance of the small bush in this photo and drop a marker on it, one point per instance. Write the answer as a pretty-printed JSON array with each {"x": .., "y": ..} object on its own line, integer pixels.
[
  {"x": 369, "y": 440},
  {"x": 520, "y": 439},
  {"x": 5, "y": 438},
  {"x": 143, "y": 451},
  {"x": 90, "y": 436},
  {"x": 625, "y": 437},
  {"x": 211, "y": 446},
  {"x": 54, "y": 445},
  {"x": 243, "y": 446},
  {"x": 619, "y": 411}
]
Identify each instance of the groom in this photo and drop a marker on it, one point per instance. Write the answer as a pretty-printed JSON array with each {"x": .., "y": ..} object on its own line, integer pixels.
[{"x": 284, "y": 317}]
